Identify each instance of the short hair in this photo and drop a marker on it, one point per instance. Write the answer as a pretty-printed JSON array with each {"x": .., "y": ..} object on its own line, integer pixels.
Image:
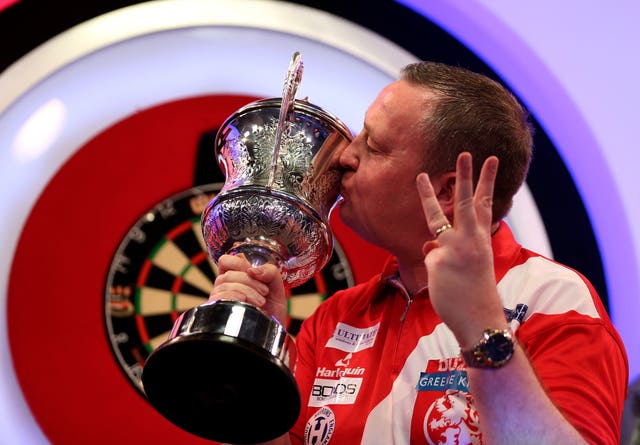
[{"x": 476, "y": 114}]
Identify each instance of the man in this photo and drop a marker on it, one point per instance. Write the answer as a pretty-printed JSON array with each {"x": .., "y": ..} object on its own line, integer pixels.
[{"x": 465, "y": 337}]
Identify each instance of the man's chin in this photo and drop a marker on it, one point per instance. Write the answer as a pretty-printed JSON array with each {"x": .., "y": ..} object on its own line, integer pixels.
[{"x": 347, "y": 216}]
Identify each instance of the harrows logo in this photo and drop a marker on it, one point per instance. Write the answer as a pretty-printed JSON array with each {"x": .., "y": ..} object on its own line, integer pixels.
[{"x": 320, "y": 427}]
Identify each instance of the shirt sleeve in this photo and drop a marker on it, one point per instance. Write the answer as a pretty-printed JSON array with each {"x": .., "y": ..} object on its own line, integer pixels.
[{"x": 582, "y": 364}]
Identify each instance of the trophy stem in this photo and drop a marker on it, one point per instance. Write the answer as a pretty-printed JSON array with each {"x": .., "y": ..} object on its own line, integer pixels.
[{"x": 257, "y": 253}]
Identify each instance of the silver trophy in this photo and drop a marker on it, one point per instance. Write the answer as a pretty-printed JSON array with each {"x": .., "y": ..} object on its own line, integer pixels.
[{"x": 225, "y": 371}]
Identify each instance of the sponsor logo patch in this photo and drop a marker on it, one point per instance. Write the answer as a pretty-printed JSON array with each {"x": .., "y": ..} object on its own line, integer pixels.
[
  {"x": 345, "y": 361},
  {"x": 334, "y": 392},
  {"x": 441, "y": 381},
  {"x": 350, "y": 339},
  {"x": 452, "y": 419},
  {"x": 320, "y": 427},
  {"x": 444, "y": 374},
  {"x": 516, "y": 314},
  {"x": 338, "y": 373}
]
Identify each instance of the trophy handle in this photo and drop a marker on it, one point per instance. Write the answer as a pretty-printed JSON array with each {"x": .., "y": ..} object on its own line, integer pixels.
[{"x": 291, "y": 83}]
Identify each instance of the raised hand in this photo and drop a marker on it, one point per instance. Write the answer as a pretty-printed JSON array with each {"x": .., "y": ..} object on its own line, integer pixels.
[{"x": 459, "y": 259}]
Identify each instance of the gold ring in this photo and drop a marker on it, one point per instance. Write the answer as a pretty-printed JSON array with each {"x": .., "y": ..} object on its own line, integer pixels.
[{"x": 442, "y": 229}]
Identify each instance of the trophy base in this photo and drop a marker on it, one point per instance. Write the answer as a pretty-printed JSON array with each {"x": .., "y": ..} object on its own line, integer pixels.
[{"x": 222, "y": 388}]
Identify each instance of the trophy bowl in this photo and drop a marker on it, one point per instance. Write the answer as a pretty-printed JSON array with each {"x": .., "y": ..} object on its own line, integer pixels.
[{"x": 225, "y": 372}]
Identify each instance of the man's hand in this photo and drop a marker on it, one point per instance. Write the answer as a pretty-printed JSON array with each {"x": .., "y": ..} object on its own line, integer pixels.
[
  {"x": 260, "y": 286},
  {"x": 459, "y": 260}
]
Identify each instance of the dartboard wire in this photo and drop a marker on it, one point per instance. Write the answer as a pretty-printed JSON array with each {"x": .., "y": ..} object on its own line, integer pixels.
[
  {"x": 142, "y": 278},
  {"x": 165, "y": 253},
  {"x": 139, "y": 316},
  {"x": 175, "y": 288},
  {"x": 316, "y": 297},
  {"x": 178, "y": 230},
  {"x": 174, "y": 292},
  {"x": 197, "y": 230}
]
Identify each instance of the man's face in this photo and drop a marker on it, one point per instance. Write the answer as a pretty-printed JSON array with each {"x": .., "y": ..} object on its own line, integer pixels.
[{"x": 380, "y": 198}]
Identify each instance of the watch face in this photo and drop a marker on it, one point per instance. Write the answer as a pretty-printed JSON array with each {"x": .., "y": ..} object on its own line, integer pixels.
[
  {"x": 162, "y": 269},
  {"x": 499, "y": 347}
]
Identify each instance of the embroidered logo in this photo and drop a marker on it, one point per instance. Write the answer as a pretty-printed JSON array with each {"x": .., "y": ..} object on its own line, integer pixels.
[
  {"x": 350, "y": 339},
  {"x": 516, "y": 314},
  {"x": 344, "y": 361},
  {"x": 442, "y": 381},
  {"x": 452, "y": 419},
  {"x": 444, "y": 374},
  {"x": 320, "y": 427},
  {"x": 340, "y": 372},
  {"x": 334, "y": 392}
]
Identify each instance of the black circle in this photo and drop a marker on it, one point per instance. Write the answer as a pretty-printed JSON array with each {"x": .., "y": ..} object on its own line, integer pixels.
[{"x": 222, "y": 388}]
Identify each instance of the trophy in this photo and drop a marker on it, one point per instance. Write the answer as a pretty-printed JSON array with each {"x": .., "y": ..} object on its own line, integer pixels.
[{"x": 225, "y": 371}]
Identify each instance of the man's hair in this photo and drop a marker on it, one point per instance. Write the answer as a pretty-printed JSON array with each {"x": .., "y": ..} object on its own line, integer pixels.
[{"x": 476, "y": 114}]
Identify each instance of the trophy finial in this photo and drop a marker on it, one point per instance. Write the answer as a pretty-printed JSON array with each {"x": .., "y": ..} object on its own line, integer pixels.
[{"x": 291, "y": 82}]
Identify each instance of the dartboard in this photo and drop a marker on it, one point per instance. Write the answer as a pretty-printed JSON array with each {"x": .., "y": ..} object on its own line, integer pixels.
[{"x": 161, "y": 269}]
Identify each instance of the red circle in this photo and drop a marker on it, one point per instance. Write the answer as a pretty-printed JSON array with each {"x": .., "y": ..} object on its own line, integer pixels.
[{"x": 55, "y": 303}]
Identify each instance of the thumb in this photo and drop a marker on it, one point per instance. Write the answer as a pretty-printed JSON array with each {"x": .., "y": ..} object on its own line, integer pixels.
[
  {"x": 428, "y": 246},
  {"x": 271, "y": 276}
]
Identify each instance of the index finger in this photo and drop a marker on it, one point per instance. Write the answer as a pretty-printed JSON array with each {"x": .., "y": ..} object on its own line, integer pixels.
[
  {"x": 232, "y": 262},
  {"x": 430, "y": 205}
]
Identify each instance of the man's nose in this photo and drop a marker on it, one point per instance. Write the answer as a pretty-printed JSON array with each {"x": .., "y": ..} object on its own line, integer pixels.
[{"x": 349, "y": 156}]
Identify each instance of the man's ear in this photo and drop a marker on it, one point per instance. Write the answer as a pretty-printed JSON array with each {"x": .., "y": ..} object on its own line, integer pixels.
[{"x": 445, "y": 189}]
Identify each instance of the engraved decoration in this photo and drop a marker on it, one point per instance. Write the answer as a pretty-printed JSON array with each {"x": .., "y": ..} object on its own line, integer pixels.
[{"x": 277, "y": 212}]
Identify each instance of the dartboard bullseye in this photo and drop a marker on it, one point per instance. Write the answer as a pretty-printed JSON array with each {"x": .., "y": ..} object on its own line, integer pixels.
[{"x": 161, "y": 269}]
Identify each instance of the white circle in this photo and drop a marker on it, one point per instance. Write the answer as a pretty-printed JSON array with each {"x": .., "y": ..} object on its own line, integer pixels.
[{"x": 94, "y": 75}]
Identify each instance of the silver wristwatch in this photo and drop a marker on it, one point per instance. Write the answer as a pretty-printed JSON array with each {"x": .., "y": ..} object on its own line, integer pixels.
[{"x": 493, "y": 351}]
